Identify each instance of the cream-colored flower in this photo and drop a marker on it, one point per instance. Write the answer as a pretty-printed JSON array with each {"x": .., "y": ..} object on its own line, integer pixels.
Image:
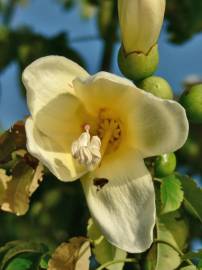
[
  {"x": 100, "y": 128},
  {"x": 140, "y": 23}
]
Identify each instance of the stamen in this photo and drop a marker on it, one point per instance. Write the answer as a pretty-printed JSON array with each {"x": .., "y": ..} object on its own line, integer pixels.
[{"x": 86, "y": 150}]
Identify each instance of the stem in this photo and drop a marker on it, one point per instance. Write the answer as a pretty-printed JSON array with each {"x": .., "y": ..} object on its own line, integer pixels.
[
  {"x": 109, "y": 41},
  {"x": 158, "y": 241},
  {"x": 115, "y": 262}
]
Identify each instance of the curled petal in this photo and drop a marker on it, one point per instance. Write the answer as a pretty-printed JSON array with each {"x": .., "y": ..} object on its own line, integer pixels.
[
  {"x": 55, "y": 157},
  {"x": 48, "y": 77}
]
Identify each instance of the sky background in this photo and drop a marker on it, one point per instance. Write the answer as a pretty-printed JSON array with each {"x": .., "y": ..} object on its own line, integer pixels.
[{"x": 48, "y": 18}]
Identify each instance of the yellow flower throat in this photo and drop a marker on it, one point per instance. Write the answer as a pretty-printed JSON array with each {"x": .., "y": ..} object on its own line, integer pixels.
[{"x": 95, "y": 142}]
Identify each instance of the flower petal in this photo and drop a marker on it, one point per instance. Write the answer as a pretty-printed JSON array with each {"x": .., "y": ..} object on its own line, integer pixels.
[
  {"x": 124, "y": 207},
  {"x": 62, "y": 118},
  {"x": 55, "y": 157},
  {"x": 140, "y": 23},
  {"x": 159, "y": 126},
  {"x": 154, "y": 126},
  {"x": 100, "y": 91},
  {"x": 48, "y": 77}
]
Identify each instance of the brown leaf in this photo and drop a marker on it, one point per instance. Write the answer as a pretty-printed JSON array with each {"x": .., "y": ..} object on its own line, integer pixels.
[
  {"x": 4, "y": 179},
  {"x": 22, "y": 184},
  {"x": 12, "y": 140},
  {"x": 72, "y": 256}
]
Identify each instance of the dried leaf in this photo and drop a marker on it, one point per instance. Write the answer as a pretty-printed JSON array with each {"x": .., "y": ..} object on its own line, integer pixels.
[
  {"x": 4, "y": 179},
  {"x": 72, "y": 256},
  {"x": 12, "y": 140},
  {"x": 24, "y": 181}
]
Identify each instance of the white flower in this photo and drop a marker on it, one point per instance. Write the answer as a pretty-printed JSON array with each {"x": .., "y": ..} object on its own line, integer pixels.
[
  {"x": 100, "y": 128},
  {"x": 140, "y": 23}
]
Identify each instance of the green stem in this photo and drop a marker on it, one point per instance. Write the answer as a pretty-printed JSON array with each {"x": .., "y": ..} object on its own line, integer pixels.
[
  {"x": 103, "y": 266},
  {"x": 158, "y": 241},
  {"x": 109, "y": 41}
]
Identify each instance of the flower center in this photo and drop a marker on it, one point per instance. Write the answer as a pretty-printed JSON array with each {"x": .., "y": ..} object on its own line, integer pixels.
[
  {"x": 109, "y": 131},
  {"x": 88, "y": 150}
]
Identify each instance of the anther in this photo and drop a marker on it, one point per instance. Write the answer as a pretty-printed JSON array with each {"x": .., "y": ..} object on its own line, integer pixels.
[{"x": 86, "y": 150}]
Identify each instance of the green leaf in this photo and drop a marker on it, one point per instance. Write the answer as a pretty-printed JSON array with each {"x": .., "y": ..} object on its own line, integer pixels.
[
  {"x": 200, "y": 265},
  {"x": 193, "y": 255},
  {"x": 102, "y": 249},
  {"x": 171, "y": 194},
  {"x": 19, "y": 264},
  {"x": 44, "y": 261},
  {"x": 190, "y": 267},
  {"x": 24, "y": 261},
  {"x": 21, "y": 247},
  {"x": 192, "y": 196},
  {"x": 6, "y": 247},
  {"x": 172, "y": 229}
]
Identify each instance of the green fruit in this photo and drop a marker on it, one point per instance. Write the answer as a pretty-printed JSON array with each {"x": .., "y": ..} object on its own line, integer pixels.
[
  {"x": 165, "y": 165},
  {"x": 138, "y": 66},
  {"x": 192, "y": 102},
  {"x": 157, "y": 86}
]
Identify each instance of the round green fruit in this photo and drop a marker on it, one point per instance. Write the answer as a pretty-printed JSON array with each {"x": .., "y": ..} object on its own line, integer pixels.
[
  {"x": 192, "y": 102},
  {"x": 138, "y": 66},
  {"x": 157, "y": 86},
  {"x": 165, "y": 165}
]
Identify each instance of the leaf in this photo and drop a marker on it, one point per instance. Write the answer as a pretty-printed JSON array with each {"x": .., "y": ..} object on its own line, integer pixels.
[
  {"x": 44, "y": 261},
  {"x": 193, "y": 255},
  {"x": 12, "y": 140},
  {"x": 4, "y": 179},
  {"x": 73, "y": 255},
  {"x": 16, "y": 248},
  {"x": 192, "y": 196},
  {"x": 19, "y": 264},
  {"x": 24, "y": 181},
  {"x": 200, "y": 265},
  {"x": 171, "y": 229},
  {"x": 171, "y": 194},
  {"x": 6, "y": 247},
  {"x": 102, "y": 249},
  {"x": 190, "y": 267}
]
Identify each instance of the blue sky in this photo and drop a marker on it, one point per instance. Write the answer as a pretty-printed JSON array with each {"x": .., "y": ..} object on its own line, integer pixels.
[{"x": 49, "y": 18}]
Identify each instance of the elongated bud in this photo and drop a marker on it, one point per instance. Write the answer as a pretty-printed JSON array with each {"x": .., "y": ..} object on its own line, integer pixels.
[{"x": 140, "y": 23}]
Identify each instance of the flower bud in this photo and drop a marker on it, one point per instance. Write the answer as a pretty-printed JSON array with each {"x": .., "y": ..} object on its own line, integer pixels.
[
  {"x": 140, "y": 23},
  {"x": 138, "y": 66},
  {"x": 157, "y": 86},
  {"x": 191, "y": 100}
]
